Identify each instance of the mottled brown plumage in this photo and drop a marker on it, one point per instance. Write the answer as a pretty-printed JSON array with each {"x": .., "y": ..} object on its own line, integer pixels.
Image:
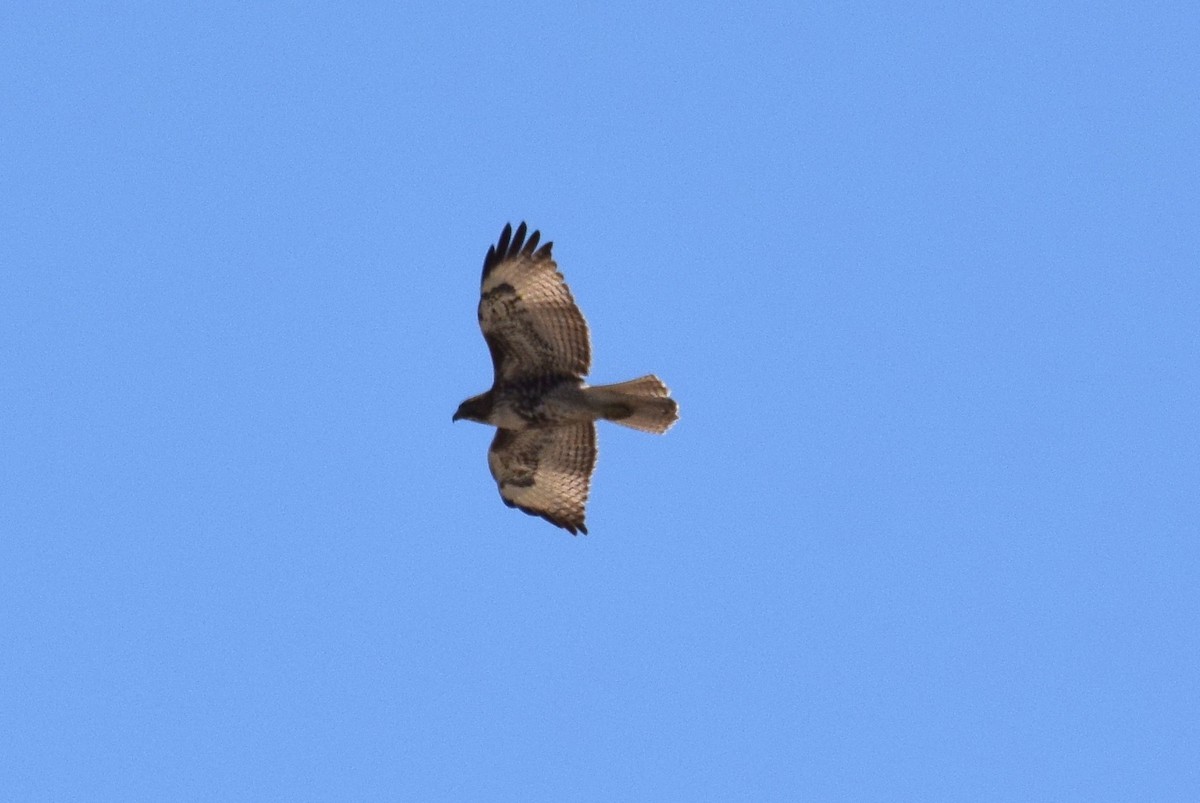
[{"x": 545, "y": 446}]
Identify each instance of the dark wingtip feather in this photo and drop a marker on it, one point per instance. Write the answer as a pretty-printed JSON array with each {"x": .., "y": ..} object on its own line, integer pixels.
[
  {"x": 497, "y": 252},
  {"x": 573, "y": 529},
  {"x": 514, "y": 242},
  {"x": 518, "y": 239}
]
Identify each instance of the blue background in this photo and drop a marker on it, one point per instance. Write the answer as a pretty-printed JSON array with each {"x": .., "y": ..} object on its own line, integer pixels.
[{"x": 924, "y": 280}]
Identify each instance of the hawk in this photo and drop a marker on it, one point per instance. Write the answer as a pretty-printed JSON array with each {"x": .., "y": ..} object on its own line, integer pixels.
[{"x": 544, "y": 413}]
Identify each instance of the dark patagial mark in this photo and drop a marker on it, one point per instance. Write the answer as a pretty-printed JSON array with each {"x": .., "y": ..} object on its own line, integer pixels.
[{"x": 499, "y": 291}]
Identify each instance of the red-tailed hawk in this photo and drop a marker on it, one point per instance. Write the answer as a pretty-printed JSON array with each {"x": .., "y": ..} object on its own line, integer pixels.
[{"x": 545, "y": 446}]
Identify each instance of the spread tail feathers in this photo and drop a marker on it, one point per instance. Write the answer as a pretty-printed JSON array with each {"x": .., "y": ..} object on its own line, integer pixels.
[{"x": 640, "y": 403}]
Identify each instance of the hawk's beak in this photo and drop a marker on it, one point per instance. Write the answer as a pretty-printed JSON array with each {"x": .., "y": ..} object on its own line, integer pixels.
[{"x": 457, "y": 415}]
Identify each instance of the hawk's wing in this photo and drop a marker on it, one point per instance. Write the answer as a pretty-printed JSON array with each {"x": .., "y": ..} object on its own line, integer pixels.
[
  {"x": 546, "y": 471},
  {"x": 528, "y": 317}
]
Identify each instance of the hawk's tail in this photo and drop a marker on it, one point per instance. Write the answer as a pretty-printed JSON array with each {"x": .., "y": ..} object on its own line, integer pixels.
[{"x": 641, "y": 403}]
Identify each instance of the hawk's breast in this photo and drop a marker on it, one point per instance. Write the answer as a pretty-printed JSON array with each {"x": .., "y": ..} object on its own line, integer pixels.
[{"x": 541, "y": 402}]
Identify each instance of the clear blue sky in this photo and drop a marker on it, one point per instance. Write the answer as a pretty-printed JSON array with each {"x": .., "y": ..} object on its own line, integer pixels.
[{"x": 923, "y": 277}]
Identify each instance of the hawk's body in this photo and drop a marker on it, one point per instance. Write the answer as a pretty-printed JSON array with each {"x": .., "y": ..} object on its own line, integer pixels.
[{"x": 545, "y": 446}]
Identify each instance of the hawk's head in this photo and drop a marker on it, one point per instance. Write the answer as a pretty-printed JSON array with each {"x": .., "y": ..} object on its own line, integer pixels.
[{"x": 477, "y": 408}]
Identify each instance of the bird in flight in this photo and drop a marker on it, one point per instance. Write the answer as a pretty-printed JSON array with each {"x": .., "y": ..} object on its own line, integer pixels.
[{"x": 544, "y": 412}]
